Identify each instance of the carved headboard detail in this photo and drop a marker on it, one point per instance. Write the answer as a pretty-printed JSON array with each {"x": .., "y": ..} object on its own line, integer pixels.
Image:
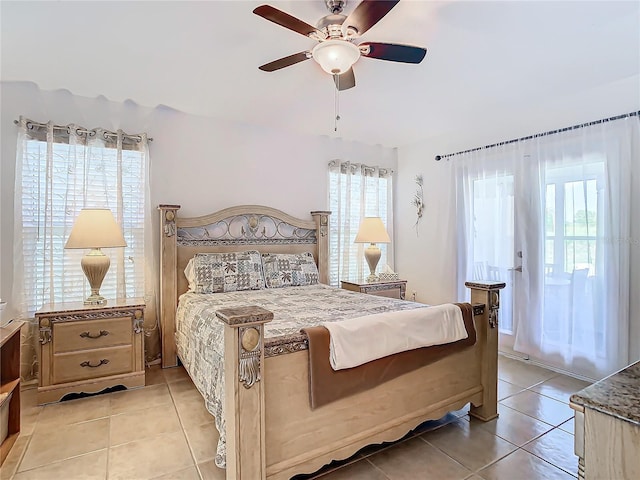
[{"x": 248, "y": 229}]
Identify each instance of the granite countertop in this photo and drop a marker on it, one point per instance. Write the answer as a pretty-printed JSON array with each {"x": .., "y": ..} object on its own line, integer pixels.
[{"x": 615, "y": 395}]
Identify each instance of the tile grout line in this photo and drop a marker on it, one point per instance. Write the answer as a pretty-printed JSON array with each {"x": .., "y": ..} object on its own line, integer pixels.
[
  {"x": 22, "y": 454},
  {"x": 24, "y": 451},
  {"x": 184, "y": 432},
  {"x": 378, "y": 469},
  {"x": 536, "y": 418},
  {"x": 547, "y": 461},
  {"x": 106, "y": 473},
  {"x": 447, "y": 455}
]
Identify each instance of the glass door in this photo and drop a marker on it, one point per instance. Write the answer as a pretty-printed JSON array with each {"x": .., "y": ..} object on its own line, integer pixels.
[
  {"x": 537, "y": 227},
  {"x": 493, "y": 251}
]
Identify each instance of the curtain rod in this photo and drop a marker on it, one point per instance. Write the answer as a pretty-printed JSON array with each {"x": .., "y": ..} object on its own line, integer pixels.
[
  {"x": 355, "y": 166},
  {"x": 550, "y": 132},
  {"x": 83, "y": 130}
]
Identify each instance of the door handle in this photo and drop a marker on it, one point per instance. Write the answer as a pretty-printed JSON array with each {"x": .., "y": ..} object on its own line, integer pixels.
[{"x": 516, "y": 269}]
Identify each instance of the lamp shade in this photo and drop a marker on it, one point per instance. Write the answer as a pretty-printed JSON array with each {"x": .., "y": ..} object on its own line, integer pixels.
[
  {"x": 95, "y": 228},
  {"x": 372, "y": 231},
  {"x": 336, "y": 56}
]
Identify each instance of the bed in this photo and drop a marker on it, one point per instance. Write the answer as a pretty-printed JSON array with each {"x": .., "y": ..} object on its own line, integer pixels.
[{"x": 272, "y": 432}]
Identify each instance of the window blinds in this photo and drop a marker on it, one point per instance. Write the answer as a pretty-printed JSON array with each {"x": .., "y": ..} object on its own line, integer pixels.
[{"x": 356, "y": 191}]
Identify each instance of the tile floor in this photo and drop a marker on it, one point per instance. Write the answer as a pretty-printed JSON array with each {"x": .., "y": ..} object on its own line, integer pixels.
[{"x": 163, "y": 431}]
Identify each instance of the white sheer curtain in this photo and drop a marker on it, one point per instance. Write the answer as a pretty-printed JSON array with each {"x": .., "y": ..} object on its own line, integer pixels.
[
  {"x": 485, "y": 188},
  {"x": 564, "y": 199},
  {"x": 356, "y": 191},
  {"x": 59, "y": 171}
]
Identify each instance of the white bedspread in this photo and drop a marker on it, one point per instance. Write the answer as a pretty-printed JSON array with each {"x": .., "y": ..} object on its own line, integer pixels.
[{"x": 362, "y": 339}]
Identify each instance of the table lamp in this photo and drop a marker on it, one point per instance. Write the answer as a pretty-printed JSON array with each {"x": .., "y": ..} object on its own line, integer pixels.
[
  {"x": 95, "y": 228},
  {"x": 372, "y": 231}
]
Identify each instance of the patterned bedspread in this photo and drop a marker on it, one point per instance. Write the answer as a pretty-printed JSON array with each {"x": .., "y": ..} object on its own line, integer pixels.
[{"x": 199, "y": 334}]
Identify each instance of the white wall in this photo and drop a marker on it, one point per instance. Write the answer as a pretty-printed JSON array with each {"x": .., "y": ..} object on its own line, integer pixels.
[
  {"x": 203, "y": 164},
  {"x": 428, "y": 261}
]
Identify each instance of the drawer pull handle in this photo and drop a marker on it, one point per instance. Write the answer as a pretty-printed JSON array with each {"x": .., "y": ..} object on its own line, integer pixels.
[
  {"x": 103, "y": 333},
  {"x": 104, "y": 361}
]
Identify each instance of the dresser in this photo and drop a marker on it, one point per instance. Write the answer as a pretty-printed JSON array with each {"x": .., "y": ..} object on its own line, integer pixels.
[
  {"x": 607, "y": 427},
  {"x": 9, "y": 386},
  {"x": 383, "y": 288},
  {"x": 87, "y": 349}
]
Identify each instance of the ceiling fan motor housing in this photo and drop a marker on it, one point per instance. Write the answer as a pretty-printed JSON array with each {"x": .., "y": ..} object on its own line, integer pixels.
[{"x": 331, "y": 25}]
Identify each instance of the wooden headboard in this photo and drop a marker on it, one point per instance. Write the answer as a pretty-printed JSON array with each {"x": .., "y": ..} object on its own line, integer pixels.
[{"x": 244, "y": 227}]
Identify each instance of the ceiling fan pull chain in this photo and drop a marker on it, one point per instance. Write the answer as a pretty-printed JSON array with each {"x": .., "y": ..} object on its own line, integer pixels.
[{"x": 337, "y": 102}]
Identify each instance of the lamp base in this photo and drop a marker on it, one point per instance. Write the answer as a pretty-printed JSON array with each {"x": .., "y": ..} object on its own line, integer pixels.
[
  {"x": 95, "y": 266},
  {"x": 372, "y": 256},
  {"x": 95, "y": 300},
  {"x": 373, "y": 278}
]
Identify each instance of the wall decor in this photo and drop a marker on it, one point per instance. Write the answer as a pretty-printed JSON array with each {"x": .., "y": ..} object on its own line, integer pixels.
[{"x": 418, "y": 201}]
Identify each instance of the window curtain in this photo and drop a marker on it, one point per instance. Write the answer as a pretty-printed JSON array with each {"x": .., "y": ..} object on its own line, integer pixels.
[
  {"x": 59, "y": 171},
  {"x": 357, "y": 191},
  {"x": 485, "y": 204},
  {"x": 557, "y": 207}
]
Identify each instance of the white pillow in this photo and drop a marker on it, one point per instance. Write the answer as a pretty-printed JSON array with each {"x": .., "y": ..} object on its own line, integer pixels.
[{"x": 190, "y": 273}]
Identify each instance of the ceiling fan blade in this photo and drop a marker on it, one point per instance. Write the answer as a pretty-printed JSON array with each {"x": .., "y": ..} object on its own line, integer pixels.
[
  {"x": 285, "y": 62},
  {"x": 345, "y": 81},
  {"x": 287, "y": 21},
  {"x": 367, "y": 14},
  {"x": 393, "y": 52}
]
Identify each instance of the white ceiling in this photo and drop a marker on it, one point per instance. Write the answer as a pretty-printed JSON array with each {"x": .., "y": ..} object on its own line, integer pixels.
[{"x": 203, "y": 57}]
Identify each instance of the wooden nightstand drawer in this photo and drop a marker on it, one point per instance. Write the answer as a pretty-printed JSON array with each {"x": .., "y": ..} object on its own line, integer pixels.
[
  {"x": 88, "y": 349},
  {"x": 89, "y": 334},
  {"x": 391, "y": 293},
  {"x": 386, "y": 288},
  {"x": 70, "y": 367}
]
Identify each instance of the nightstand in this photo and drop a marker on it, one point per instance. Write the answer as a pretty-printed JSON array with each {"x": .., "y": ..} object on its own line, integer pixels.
[
  {"x": 385, "y": 288},
  {"x": 87, "y": 348}
]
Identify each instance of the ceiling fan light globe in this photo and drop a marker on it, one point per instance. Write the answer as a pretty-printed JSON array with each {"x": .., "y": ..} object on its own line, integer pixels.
[{"x": 336, "y": 56}]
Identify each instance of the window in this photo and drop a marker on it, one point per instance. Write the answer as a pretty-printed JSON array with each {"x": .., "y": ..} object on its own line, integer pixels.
[
  {"x": 55, "y": 180},
  {"x": 572, "y": 253},
  {"x": 571, "y": 219},
  {"x": 356, "y": 191}
]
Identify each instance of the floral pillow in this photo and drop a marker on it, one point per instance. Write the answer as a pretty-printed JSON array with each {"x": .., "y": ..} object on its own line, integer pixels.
[
  {"x": 227, "y": 272},
  {"x": 289, "y": 270}
]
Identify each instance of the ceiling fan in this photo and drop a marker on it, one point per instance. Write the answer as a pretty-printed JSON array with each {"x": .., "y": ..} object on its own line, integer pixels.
[{"x": 336, "y": 51}]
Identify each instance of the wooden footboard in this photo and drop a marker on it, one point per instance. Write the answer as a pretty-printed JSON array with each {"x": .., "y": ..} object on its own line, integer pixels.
[{"x": 273, "y": 433}]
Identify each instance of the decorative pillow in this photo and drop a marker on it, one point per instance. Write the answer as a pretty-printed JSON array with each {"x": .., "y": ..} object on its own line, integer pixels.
[
  {"x": 289, "y": 270},
  {"x": 227, "y": 272}
]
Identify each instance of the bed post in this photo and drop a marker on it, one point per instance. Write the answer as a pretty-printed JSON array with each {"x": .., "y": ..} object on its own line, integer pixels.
[
  {"x": 487, "y": 293},
  {"x": 322, "y": 232},
  {"x": 168, "y": 283},
  {"x": 244, "y": 391}
]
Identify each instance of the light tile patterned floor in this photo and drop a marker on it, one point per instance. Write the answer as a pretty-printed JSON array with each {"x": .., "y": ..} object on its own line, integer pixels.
[{"x": 164, "y": 432}]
